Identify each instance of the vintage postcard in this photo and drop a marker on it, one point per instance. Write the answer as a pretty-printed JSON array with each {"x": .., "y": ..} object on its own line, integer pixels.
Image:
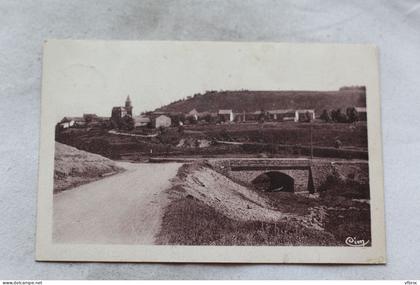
[{"x": 161, "y": 151}]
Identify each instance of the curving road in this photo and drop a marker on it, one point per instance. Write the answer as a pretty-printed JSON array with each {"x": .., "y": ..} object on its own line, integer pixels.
[{"x": 125, "y": 208}]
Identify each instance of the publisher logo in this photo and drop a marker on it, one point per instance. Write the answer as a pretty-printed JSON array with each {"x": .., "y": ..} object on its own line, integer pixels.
[{"x": 353, "y": 241}]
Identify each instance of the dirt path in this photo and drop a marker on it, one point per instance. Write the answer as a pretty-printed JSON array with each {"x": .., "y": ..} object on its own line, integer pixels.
[{"x": 126, "y": 208}]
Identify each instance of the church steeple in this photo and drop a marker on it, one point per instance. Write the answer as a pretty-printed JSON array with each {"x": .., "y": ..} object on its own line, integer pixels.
[{"x": 128, "y": 106}]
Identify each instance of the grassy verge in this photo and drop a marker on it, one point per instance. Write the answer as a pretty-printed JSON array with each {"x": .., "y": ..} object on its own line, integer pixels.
[{"x": 188, "y": 221}]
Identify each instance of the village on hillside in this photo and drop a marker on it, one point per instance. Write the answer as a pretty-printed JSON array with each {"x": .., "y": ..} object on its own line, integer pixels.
[{"x": 123, "y": 117}]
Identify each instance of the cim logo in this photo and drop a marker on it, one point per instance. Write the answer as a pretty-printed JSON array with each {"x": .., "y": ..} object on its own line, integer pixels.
[{"x": 353, "y": 241}]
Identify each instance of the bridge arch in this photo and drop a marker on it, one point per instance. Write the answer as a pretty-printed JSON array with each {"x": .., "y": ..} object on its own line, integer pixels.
[{"x": 274, "y": 181}]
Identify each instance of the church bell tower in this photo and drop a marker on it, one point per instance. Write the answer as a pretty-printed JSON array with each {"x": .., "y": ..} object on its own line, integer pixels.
[{"x": 128, "y": 106}]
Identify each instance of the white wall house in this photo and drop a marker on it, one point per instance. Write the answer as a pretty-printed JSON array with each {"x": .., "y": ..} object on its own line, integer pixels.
[
  {"x": 226, "y": 115},
  {"x": 162, "y": 121},
  {"x": 299, "y": 113}
]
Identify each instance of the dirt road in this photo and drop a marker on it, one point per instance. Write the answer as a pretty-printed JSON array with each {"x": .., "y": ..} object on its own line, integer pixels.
[{"x": 125, "y": 208}]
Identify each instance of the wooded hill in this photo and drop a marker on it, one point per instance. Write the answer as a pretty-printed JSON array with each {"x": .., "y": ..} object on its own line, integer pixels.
[{"x": 249, "y": 101}]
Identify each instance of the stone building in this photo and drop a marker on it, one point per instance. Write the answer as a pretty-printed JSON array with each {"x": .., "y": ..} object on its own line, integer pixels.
[
  {"x": 225, "y": 115},
  {"x": 119, "y": 112},
  {"x": 141, "y": 121},
  {"x": 161, "y": 121}
]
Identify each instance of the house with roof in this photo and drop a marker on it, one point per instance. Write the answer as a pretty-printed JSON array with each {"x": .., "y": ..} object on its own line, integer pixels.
[
  {"x": 281, "y": 114},
  {"x": 141, "y": 121},
  {"x": 161, "y": 121},
  {"x": 69, "y": 122},
  {"x": 193, "y": 114},
  {"x": 225, "y": 115},
  {"x": 253, "y": 116},
  {"x": 304, "y": 115}
]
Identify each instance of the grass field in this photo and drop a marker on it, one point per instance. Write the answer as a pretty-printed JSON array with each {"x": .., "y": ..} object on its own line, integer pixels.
[
  {"x": 273, "y": 139},
  {"x": 323, "y": 134}
]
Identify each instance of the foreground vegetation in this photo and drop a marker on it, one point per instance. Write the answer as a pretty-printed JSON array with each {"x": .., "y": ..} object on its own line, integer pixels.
[{"x": 191, "y": 222}]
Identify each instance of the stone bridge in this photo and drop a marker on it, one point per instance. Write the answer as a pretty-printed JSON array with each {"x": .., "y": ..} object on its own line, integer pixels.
[
  {"x": 291, "y": 174},
  {"x": 285, "y": 174}
]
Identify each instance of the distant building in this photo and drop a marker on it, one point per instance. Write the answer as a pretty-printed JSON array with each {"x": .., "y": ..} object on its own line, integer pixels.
[
  {"x": 68, "y": 122},
  {"x": 240, "y": 117},
  {"x": 225, "y": 115},
  {"x": 304, "y": 115},
  {"x": 141, "y": 121},
  {"x": 161, "y": 121},
  {"x": 193, "y": 114},
  {"x": 207, "y": 117},
  {"x": 361, "y": 113},
  {"x": 281, "y": 115},
  {"x": 253, "y": 116}
]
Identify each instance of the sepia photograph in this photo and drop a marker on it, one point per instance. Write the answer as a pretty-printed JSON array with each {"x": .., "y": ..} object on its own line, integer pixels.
[{"x": 210, "y": 152}]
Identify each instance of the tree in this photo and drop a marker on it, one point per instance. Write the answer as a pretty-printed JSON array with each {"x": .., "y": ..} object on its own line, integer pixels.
[
  {"x": 127, "y": 123},
  {"x": 177, "y": 119},
  {"x": 161, "y": 130},
  {"x": 338, "y": 117},
  {"x": 352, "y": 115},
  {"x": 325, "y": 116}
]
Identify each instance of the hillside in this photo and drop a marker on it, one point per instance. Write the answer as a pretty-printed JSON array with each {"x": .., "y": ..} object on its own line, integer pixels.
[{"x": 249, "y": 101}]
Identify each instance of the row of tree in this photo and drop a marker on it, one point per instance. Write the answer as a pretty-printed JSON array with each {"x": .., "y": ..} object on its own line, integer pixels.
[{"x": 336, "y": 115}]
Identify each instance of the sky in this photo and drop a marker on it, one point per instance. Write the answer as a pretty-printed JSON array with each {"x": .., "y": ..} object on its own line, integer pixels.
[{"x": 93, "y": 76}]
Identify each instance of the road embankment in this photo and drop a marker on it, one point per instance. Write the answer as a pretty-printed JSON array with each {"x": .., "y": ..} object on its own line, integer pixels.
[{"x": 74, "y": 167}]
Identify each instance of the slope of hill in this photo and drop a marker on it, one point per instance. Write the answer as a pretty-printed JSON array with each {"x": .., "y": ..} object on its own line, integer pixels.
[{"x": 249, "y": 101}]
